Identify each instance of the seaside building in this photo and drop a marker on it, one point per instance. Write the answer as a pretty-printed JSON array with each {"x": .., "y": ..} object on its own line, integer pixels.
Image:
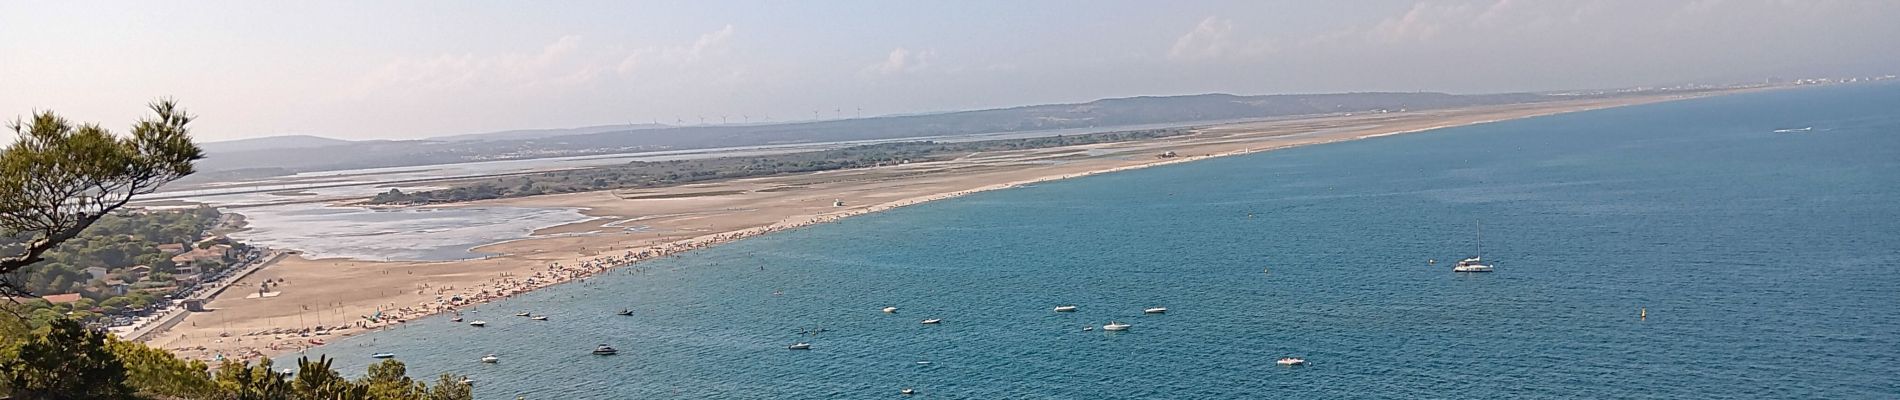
[
  {"x": 61, "y": 298},
  {"x": 117, "y": 287},
  {"x": 185, "y": 279},
  {"x": 193, "y": 262},
  {"x": 138, "y": 272},
  {"x": 185, "y": 269}
]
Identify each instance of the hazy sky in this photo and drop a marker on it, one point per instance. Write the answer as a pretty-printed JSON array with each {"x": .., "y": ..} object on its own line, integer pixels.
[{"x": 406, "y": 69}]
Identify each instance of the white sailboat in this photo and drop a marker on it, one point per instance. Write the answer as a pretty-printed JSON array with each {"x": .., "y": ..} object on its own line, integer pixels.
[{"x": 1474, "y": 263}]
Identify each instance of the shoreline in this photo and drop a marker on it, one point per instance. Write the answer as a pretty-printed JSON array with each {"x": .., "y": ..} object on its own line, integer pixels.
[{"x": 521, "y": 268}]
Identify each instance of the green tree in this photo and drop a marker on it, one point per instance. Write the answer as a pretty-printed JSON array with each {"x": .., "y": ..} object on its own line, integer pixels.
[
  {"x": 389, "y": 380},
  {"x": 317, "y": 381},
  {"x": 64, "y": 360},
  {"x": 13, "y": 333},
  {"x": 58, "y": 178},
  {"x": 155, "y": 371},
  {"x": 450, "y": 387},
  {"x": 252, "y": 382}
]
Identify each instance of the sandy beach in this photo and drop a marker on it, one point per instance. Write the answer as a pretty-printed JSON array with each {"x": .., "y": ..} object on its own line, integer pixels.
[{"x": 631, "y": 225}]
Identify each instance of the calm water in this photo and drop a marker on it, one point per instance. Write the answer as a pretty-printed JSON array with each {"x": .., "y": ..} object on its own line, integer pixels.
[
  {"x": 404, "y": 234},
  {"x": 1769, "y": 263}
]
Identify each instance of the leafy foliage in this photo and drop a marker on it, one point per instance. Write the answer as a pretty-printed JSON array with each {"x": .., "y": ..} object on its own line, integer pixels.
[
  {"x": 155, "y": 371},
  {"x": 58, "y": 178},
  {"x": 66, "y": 361},
  {"x": 116, "y": 242}
]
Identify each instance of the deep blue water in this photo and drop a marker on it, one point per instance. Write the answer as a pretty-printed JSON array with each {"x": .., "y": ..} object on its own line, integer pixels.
[{"x": 1769, "y": 264}]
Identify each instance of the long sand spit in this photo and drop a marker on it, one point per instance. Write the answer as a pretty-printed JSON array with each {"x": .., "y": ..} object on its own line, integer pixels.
[{"x": 276, "y": 310}]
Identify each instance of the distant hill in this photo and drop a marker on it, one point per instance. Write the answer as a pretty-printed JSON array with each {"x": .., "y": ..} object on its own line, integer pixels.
[
  {"x": 271, "y": 143},
  {"x": 529, "y": 134}
]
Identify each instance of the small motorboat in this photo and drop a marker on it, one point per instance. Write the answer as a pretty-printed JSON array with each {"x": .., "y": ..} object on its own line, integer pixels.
[
  {"x": 456, "y": 319},
  {"x": 383, "y": 355},
  {"x": 908, "y": 391},
  {"x": 1115, "y": 326},
  {"x": 890, "y": 310},
  {"x": 478, "y": 323},
  {"x": 490, "y": 359},
  {"x": 522, "y": 314},
  {"x": 1065, "y": 308},
  {"x": 1155, "y": 310},
  {"x": 933, "y": 321},
  {"x": 624, "y": 312},
  {"x": 799, "y": 346},
  {"x": 605, "y": 350},
  {"x": 539, "y": 317},
  {"x": 923, "y": 363},
  {"x": 1291, "y": 361},
  {"x": 468, "y": 381},
  {"x": 1087, "y": 328}
]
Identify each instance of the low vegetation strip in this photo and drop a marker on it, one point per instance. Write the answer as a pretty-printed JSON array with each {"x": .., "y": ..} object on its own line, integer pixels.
[{"x": 642, "y": 174}]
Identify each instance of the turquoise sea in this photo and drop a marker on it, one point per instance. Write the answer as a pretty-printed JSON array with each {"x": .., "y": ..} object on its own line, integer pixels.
[{"x": 1769, "y": 263}]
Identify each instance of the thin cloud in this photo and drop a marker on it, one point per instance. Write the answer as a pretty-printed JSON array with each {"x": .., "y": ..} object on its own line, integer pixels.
[
  {"x": 1213, "y": 39},
  {"x": 708, "y": 45},
  {"x": 902, "y": 60}
]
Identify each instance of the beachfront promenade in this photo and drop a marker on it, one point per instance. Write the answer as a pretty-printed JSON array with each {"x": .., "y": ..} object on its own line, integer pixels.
[{"x": 146, "y": 327}]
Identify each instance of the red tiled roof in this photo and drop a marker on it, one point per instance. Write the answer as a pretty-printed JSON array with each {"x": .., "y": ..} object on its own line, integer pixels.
[{"x": 61, "y": 298}]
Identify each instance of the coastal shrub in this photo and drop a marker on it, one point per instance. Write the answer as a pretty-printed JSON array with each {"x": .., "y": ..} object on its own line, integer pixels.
[{"x": 65, "y": 361}]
